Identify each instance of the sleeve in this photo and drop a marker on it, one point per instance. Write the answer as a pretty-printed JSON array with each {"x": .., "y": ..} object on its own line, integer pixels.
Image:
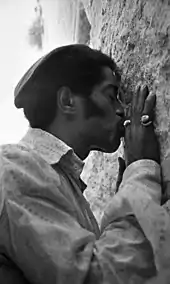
[
  {"x": 165, "y": 166},
  {"x": 50, "y": 246},
  {"x": 140, "y": 194},
  {"x": 11, "y": 275}
]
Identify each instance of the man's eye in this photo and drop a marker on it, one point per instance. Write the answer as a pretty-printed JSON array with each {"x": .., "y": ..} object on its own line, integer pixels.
[
  {"x": 112, "y": 94},
  {"x": 112, "y": 98}
]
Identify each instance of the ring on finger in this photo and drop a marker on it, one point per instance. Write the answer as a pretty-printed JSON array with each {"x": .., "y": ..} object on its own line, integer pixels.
[
  {"x": 127, "y": 122},
  {"x": 145, "y": 120}
]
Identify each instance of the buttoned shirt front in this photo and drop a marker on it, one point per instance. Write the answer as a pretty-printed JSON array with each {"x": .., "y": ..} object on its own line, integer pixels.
[{"x": 48, "y": 230}]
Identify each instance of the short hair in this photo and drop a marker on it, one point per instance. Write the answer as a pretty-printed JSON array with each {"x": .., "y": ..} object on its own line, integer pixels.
[{"x": 76, "y": 66}]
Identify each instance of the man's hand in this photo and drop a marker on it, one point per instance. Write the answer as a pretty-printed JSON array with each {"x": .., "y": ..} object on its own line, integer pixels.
[{"x": 141, "y": 141}]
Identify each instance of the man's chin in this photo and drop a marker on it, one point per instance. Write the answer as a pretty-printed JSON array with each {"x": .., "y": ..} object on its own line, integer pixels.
[
  {"x": 122, "y": 132},
  {"x": 114, "y": 147}
]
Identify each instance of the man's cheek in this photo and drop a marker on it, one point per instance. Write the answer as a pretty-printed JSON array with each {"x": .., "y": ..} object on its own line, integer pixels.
[{"x": 92, "y": 109}]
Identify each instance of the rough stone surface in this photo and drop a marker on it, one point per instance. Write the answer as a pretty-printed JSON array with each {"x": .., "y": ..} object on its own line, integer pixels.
[
  {"x": 137, "y": 35},
  {"x": 83, "y": 26},
  {"x": 100, "y": 174}
]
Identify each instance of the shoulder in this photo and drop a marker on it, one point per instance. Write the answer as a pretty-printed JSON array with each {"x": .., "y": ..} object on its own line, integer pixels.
[
  {"x": 21, "y": 167},
  {"x": 21, "y": 157}
]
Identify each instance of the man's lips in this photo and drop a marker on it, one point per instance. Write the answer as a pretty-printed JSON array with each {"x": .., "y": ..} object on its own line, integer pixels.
[{"x": 117, "y": 133}]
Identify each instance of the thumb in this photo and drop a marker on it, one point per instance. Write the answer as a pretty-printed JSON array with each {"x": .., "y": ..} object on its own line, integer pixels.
[
  {"x": 121, "y": 170},
  {"x": 122, "y": 165}
]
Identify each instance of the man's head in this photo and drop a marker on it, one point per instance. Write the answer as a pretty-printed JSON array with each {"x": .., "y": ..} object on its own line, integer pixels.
[{"x": 72, "y": 93}]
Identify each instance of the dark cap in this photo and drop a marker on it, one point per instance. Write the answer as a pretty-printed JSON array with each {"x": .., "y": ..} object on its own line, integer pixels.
[
  {"x": 24, "y": 90},
  {"x": 19, "y": 94},
  {"x": 48, "y": 74},
  {"x": 42, "y": 74}
]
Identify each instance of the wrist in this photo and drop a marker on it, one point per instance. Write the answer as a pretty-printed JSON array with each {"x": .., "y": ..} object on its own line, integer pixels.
[
  {"x": 143, "y": 174},
  {"x": 133, "y": 159}
]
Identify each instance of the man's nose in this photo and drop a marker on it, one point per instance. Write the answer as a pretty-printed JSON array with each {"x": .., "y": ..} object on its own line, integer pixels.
[{"x": 120, "y": 111}]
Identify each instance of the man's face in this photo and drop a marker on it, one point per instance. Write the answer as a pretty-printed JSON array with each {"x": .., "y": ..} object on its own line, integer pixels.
[{"x": 103, "y": 131}]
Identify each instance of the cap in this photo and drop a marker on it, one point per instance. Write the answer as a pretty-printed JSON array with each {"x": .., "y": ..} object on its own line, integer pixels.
[
  {"x": 24, "y": 89},
  {"x": 40, "y": 79},
  {"x": 38, "y": 74}
]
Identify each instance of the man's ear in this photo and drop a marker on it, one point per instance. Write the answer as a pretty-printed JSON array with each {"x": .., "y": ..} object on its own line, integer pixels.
[{"x": 66, "y": 101}]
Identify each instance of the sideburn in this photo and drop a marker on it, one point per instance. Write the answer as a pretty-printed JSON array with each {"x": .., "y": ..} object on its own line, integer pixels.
[{"x": 91, "y": 109}]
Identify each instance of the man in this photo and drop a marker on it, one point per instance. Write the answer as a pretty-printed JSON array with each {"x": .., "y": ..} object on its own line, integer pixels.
[{"x": 47, "y": 230}]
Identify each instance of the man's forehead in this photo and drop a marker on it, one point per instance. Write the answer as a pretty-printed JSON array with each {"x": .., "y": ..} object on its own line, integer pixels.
[{"x": 110, "y": 76}]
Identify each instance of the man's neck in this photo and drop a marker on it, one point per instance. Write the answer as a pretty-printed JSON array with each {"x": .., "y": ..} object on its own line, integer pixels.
[{"x": 73, "y": 141}]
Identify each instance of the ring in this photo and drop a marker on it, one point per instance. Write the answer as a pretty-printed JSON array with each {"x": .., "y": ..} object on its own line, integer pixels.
[
  {"x": 127, "y": 122},
  {"x": 145, "y": 120}
]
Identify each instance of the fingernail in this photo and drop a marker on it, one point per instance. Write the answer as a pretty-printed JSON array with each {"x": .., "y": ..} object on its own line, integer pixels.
[
  {"x": 152, "y": 94},
  {"x": 138, "y": 87},
  {"x": 144, "y": 87}
]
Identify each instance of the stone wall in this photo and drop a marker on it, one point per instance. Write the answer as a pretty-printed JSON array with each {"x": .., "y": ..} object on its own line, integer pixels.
[
  {"x": 137, "y": 35},
  {"x": 83, "y": 26}
]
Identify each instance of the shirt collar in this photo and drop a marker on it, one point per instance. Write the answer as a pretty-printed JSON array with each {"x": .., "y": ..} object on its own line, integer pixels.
[{"x": 52, "y": 149}]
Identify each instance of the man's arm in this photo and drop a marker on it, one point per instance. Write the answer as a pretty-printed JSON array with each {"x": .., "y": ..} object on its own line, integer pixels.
[
  {"x": 140, "y": 193},
  {"x": 50, "y": 246}
]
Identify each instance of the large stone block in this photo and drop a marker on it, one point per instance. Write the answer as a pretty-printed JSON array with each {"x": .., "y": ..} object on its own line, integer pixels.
[{"x": 137, "y": 35}]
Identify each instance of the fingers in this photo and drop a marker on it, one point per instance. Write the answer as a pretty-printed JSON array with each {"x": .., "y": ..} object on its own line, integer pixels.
[
  {"x": 144, "y": 92},
  {"x": 135, "y": 99},
  {"x": 122, "y": 165},
  {"x": 128, "y": 111},
  {"x": 149, "y": 106},
  {"x": 138, "y": 102},
  {"x": 122, "y": 168}
]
